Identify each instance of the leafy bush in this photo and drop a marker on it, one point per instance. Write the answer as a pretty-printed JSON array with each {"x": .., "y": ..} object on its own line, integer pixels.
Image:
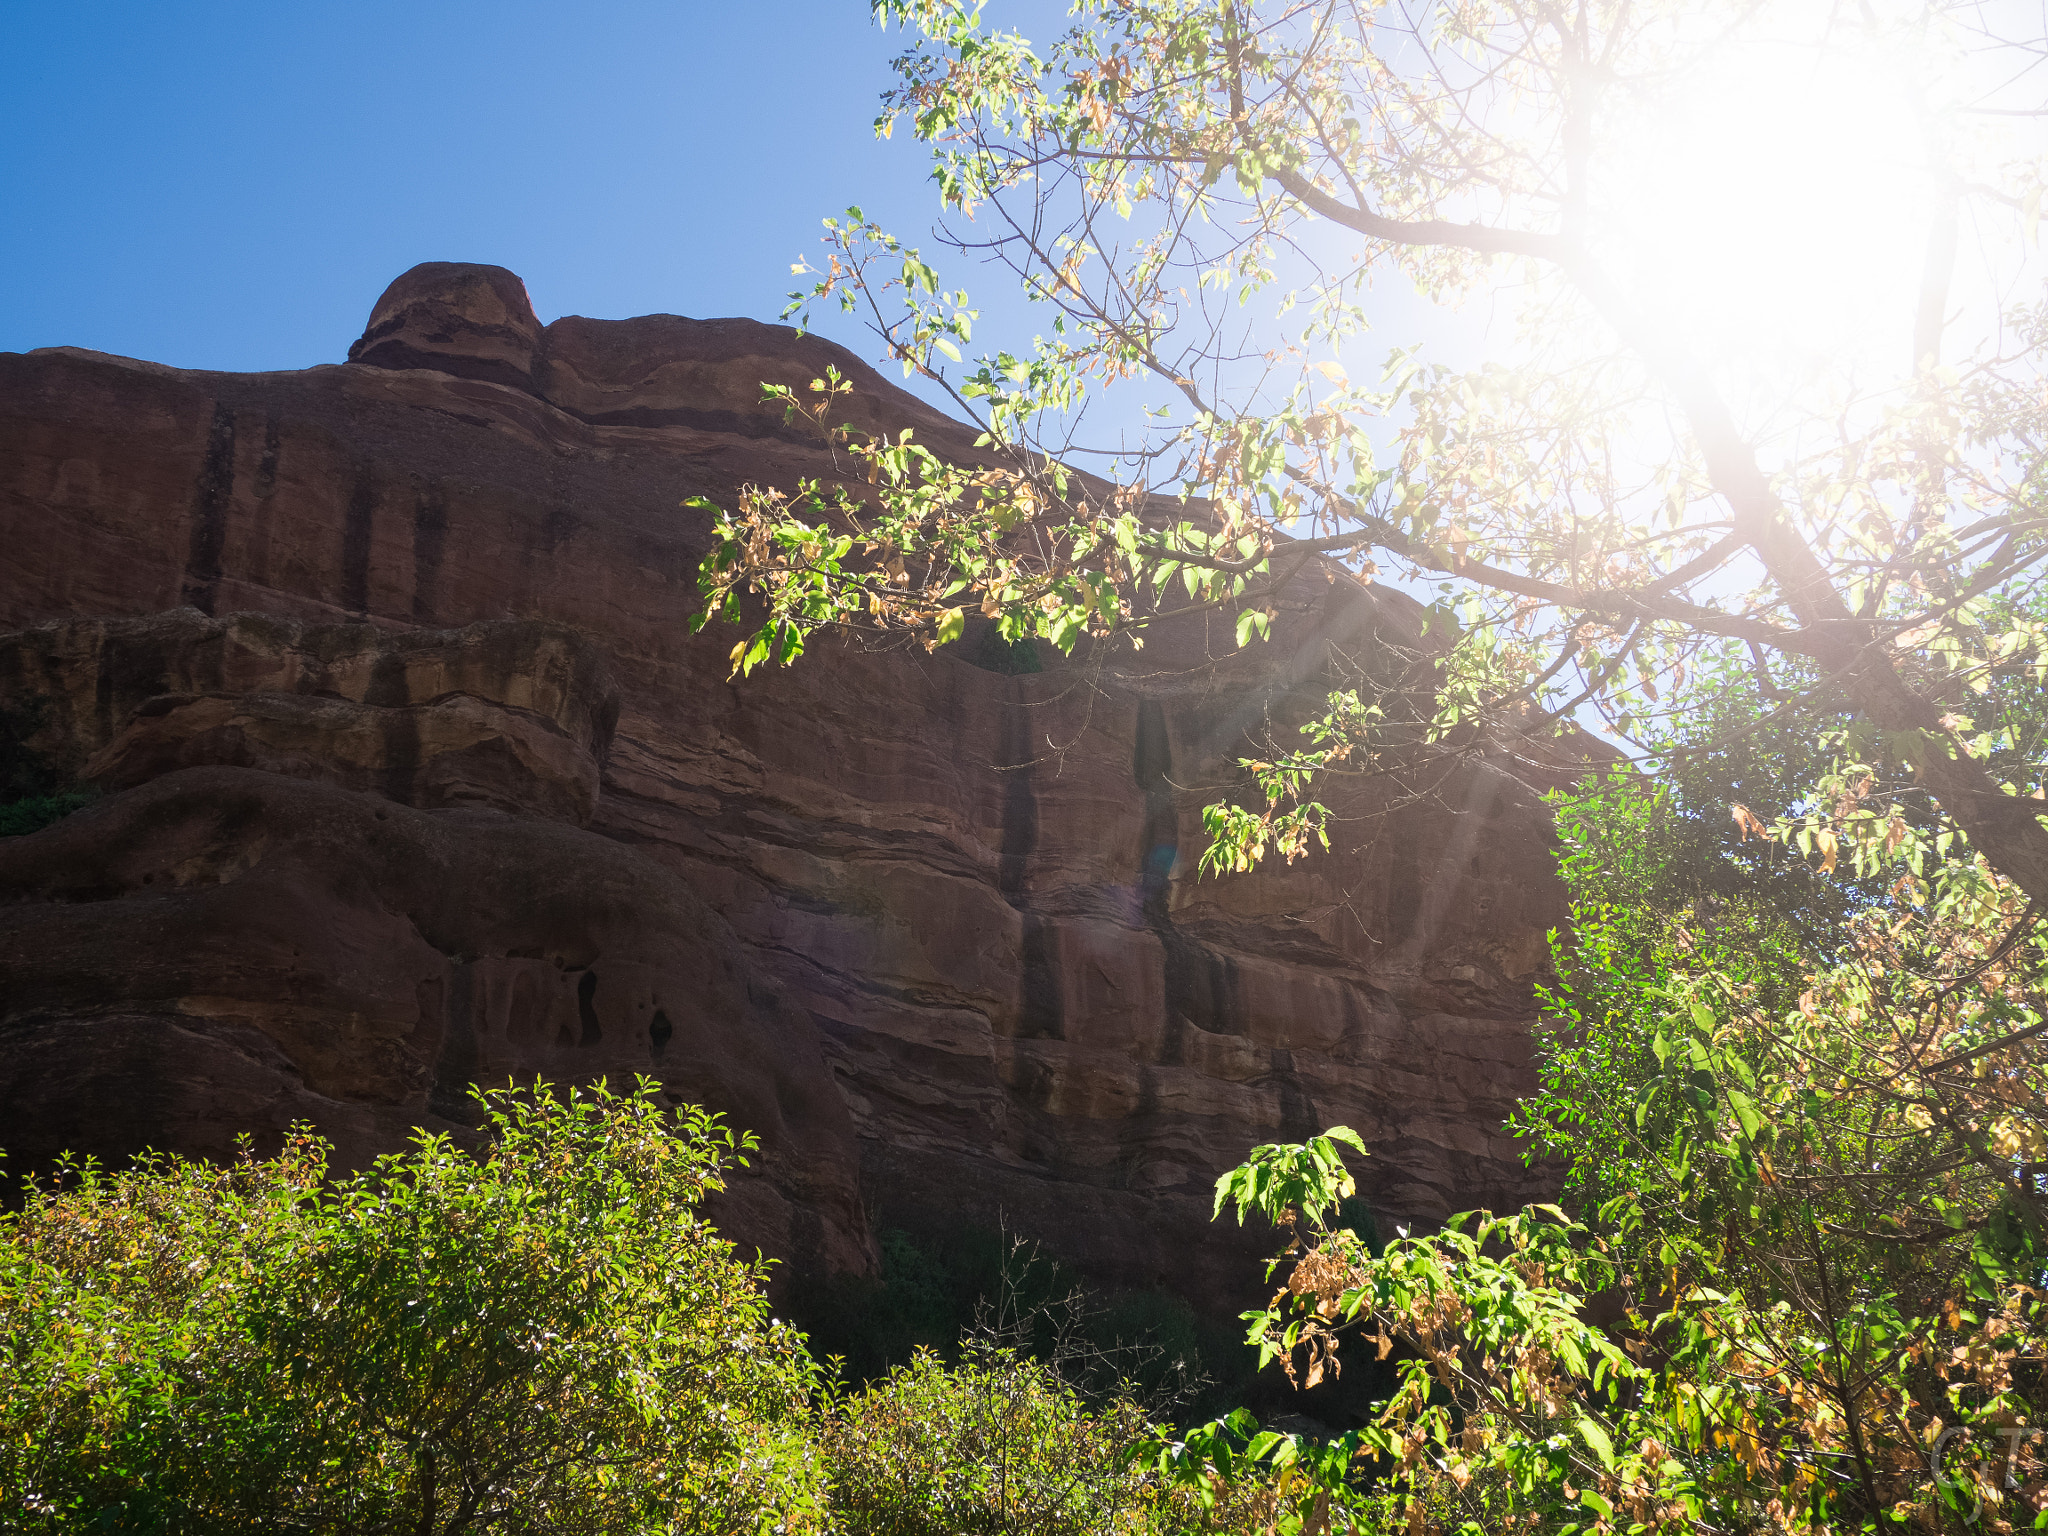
[
  {"x": 998, "y": 1445},
  {"x": 1798, "y": 1287},
  {"x": 33, "y": 791},
  {"x": 32, "y": 813},
  {"x": 547, "y": 1337}
]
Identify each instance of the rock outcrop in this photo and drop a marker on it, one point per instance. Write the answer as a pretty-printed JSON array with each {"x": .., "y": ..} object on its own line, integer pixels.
[{"x": 417, "y": 778}]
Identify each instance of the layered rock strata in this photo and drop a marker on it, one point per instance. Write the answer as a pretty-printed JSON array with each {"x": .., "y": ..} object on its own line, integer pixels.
[
  {"x": 514, "y": 714},
  {"x": 935, "y": 930}
]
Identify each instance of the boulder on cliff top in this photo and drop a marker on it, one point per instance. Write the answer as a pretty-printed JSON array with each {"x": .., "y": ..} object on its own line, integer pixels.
[{"x": 475, "y": 322}]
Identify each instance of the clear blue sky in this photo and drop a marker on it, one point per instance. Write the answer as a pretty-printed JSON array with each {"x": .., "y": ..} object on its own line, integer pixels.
[{"x": 231, "y": 185}]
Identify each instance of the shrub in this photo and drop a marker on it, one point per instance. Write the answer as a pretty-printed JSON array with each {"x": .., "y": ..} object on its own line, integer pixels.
[
  {"x": 35, "y": 812},
  {"x": 999, "y": 1445},
  {"x": 547, "y": 1337}
]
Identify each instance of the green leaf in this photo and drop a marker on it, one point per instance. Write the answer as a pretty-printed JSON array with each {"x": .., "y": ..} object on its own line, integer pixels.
[
  {"x": 1349, "y": 1137},
  {"x": 1745, "y": 1112},
  {"x": 1596, "y": 1438}
]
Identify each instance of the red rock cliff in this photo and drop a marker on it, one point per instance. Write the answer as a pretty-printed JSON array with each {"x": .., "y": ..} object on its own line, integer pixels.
[{"x": 417, "y": 778}]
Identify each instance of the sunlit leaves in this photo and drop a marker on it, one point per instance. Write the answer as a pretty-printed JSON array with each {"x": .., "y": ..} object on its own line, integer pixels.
[
  {"x": 1275, "y": 1180},
  {"x": 996, "y": 1442},
  {"x": 1207, "y": 197},
  {"x": 547, "y": 1335},
  {"x": 1030, "y": 549},
  {"x": 1239, "y": 837}
]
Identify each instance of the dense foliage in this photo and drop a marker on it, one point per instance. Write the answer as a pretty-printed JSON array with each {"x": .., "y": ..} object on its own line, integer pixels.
[
  {"x": 546, "y": 1338},
  {"x": 995, "y": 1445},
  {"x": 1799, "y": 1285}
]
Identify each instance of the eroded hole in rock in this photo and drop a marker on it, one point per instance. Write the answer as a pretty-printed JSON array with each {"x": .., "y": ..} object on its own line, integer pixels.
[
  {"x": 659, "y": 1031},
  {"x": 586, "y": 997}
]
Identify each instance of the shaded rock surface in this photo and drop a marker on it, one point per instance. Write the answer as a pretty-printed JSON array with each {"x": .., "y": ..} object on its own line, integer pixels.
[
  {"x": 515, "y": 714},
  {"x": 935, "y": 931},
  {"x": 224, "y": 951}
]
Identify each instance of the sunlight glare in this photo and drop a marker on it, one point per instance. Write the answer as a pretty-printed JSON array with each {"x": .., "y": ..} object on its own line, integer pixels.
[{"x": 1774, "y": 208}]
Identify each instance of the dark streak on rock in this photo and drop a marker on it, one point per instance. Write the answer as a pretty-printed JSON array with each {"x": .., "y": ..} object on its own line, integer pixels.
[
  {"x": 211, "y": 496},
  {"x": 257, "y": 547},
  {"x": 557, "y": 528},
  {"x": 429, "y": 542},
  {"x": 357, "y": 526},
  {"x": 1041, "y": 1008},
  {"x": 1298, "y": 1116},
  {"x": 455, "y": 1071},
  {"x": 1159, "y": 842},
  {"x": 1201, "y": 985},
  {"x": 390, "y": 690},
  {"x": 1020, "y": 806},
  {"x": 266, "y": 464}
]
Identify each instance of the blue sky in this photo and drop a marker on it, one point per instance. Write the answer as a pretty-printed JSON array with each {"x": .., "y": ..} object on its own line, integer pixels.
[{"x": 231, "y": 185}]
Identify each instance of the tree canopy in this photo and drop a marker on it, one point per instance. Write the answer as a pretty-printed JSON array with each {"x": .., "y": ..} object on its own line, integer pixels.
[
  {"x": 1716, "y": 364},
  {"x": 1708, "y": 407}
]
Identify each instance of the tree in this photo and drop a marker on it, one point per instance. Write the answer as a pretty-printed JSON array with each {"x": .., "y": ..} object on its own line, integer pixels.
[
  {"x": 1653, "y": 478},
  {"x": 1799, "y": 1284},
  {"x": 1752, "y": 475},
  {"x": 545, "y": 1337}
]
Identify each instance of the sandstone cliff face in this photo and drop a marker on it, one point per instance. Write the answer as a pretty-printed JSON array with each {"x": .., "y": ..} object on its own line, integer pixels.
[
  {"x": 417, "y": 778},
  {"x": 512, "y": 714}
]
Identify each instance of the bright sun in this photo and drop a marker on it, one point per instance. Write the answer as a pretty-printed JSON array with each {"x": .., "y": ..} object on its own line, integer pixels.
[{"x": 1773, "y": 206}]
